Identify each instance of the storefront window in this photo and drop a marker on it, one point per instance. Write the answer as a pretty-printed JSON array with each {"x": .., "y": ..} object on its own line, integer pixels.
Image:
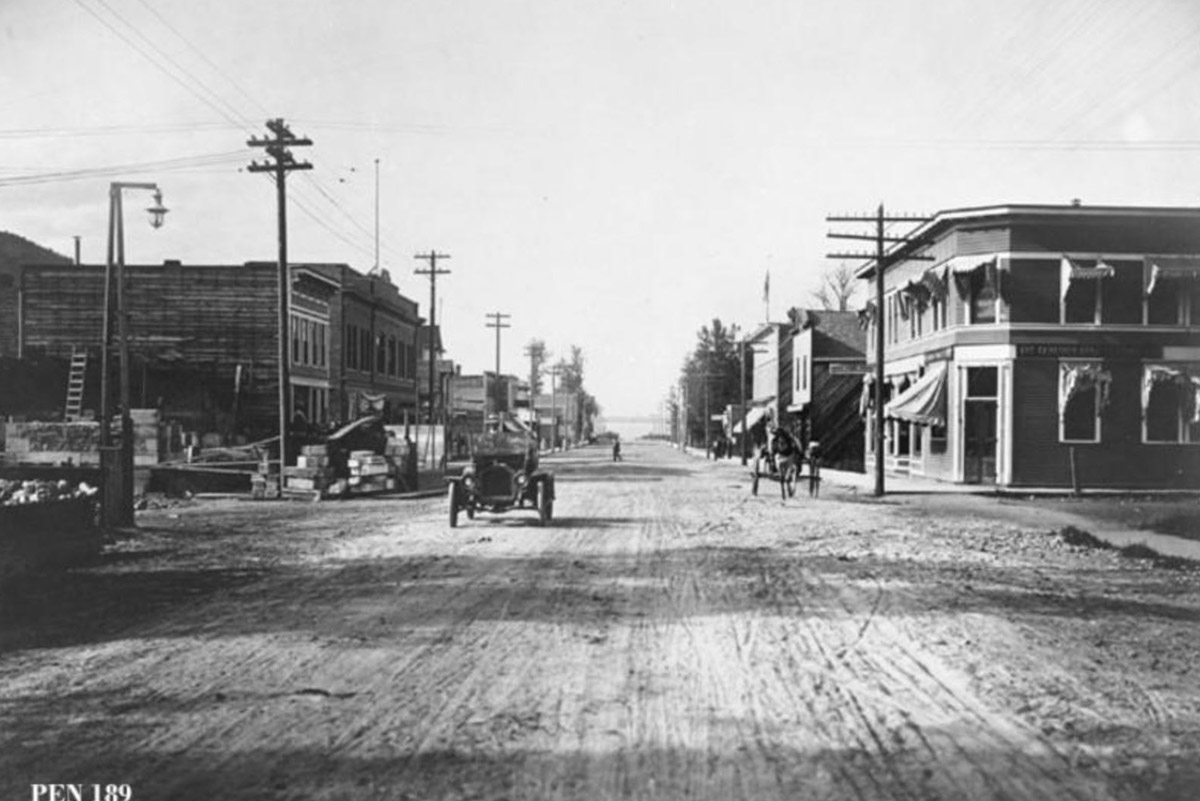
[
  {"x": 1163, "y": 412},
  {"x": 1080, "y": 420}
]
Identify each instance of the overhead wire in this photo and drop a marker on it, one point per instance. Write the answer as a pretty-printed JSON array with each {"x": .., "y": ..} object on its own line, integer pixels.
[{"x": 199, "y": 89}]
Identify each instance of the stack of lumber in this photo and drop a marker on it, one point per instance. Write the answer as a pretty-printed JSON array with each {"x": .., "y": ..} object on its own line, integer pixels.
[
  {"x": 312, "y": 474},
  {"x": 370, "y": 472}
]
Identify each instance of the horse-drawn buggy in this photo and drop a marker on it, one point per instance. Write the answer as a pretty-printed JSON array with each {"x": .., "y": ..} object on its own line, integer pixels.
[{"x": 503, "y": 474}]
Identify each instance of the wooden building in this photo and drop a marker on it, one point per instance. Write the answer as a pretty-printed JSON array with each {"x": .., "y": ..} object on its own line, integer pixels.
[
  {"x": 828, "y": 363},
  {"x": 203, "y": 340},
  {"x": 1051, "y": 346}
]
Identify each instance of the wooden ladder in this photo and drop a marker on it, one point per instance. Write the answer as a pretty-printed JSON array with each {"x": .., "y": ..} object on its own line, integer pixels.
[{"x": 75, "y": 383}]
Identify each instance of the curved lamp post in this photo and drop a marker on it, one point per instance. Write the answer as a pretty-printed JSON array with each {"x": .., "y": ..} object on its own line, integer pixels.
[{"x": 117, "y": 463}]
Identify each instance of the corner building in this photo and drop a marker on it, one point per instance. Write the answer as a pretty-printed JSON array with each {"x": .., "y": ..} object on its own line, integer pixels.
[{"x": 1042, "y": 346}]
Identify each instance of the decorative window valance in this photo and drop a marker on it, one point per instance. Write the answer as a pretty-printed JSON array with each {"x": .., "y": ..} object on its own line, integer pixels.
[
  {"x": 913, "y": 295},
  {"x": 866, "y": 401},
  {"x": 964, "y": 268},
  {"x": 934, "y": 281},
  {"x": 1076, "y": 377},
  {"x": 866, "y": 315},
  {"x": 1073, "y": 271},
  {"x": 1170, "y": 268}
]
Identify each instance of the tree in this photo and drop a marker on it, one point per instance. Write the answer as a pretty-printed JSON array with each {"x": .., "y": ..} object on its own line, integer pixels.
[
  {"x": 838, "y": 286},
  {"x": 571, "y": 378},
  {"x": 711, "y": 373}
]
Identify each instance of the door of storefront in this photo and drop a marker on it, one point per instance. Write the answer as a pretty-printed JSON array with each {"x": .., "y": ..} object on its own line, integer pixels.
[
  {"x": 979, "y": 444},
  {"x": 980, "y": 438}
]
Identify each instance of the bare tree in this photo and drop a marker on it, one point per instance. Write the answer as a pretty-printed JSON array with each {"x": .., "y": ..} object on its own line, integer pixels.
[{"x": 838, "y": 287}]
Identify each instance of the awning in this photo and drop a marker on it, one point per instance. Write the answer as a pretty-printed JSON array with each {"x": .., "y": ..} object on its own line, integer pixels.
[
  {"x": 1080, "y": 376},
  {"x": 752, "y": 417},
  {"x": 934, "y": 280},
  {"x": 866, "y": 401},
  {"x": 924, "y": 402},
  {"x": 1170, "y": 268},
  {"x": 1071, "y": 271},
  {"x": 963, "y": 267}
]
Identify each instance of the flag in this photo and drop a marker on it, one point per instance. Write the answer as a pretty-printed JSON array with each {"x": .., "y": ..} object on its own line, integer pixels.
[{"x": 767, "y": 288}]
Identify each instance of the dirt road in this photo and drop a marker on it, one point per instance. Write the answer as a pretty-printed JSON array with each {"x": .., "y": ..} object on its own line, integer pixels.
[{"x": 669, "y": 637}]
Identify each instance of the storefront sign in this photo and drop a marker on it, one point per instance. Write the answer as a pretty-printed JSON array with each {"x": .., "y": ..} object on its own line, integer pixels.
[
  {"x": 939, "y": 355},
  {"x": 1077, "y": 350}
]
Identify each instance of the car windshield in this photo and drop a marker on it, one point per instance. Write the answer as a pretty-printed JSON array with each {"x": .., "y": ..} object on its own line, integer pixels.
[{"x": 499, "y": 443}]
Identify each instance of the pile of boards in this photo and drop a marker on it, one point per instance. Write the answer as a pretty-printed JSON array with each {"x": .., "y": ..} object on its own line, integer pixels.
[{"x": 313, "y": 476}]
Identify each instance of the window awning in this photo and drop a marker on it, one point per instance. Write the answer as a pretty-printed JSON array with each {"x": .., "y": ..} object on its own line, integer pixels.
[
  {"x": 752, "y": 417},
  {"x": 963, "y": 267},
  {"x": 1079, "y": 377},
  {"x": 1072, "y": 271},
  {"x": 866, "y": 401},
  {"x": 924, "y": 402},
  {"x": 1170, "y": 268}
]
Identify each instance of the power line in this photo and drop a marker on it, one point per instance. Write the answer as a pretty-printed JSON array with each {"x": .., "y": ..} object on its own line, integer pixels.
[{"x": 165, "y": 165}]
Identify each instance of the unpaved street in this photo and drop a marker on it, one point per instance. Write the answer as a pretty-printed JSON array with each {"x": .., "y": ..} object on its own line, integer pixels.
[{"x": 669, "y": 637}]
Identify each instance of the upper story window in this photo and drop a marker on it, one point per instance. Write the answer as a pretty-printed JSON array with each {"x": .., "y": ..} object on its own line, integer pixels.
[
  {"x": 1080, "y": 286},
  {"x": 977, "y": 282},
  {"x": 1172, "y": 290}
]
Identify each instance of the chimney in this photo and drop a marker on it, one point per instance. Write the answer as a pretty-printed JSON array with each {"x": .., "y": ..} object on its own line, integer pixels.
[{"x": 78, "y": 260}]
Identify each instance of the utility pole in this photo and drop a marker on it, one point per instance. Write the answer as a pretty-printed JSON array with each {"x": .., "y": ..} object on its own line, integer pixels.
[
  {"x": 433, "y": 272},
  {"x": 497, "y": 322},
  {"x": 277, "y": 148},
  {"x": 376, "y": 215},
  {"x": 742, "y": 397},
  {"x": 882, "y": 261},
  {"x": 554, "y": 372},
  {"x": 707, "y": 418}
]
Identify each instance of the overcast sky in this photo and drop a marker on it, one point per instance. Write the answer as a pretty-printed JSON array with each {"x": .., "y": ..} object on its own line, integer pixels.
[{"x": 611, "y": 174}]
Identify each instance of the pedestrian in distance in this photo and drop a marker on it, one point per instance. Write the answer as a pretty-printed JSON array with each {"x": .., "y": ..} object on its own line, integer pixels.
[{"x": 616, "y": 450}]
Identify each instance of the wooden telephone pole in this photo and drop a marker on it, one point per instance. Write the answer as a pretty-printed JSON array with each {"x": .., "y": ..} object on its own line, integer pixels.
[
  {"x": 277, "y": 148},
  {"x": 433, "y": 272},
  {"x": 497, "y": 322},
  {"x": 882, "y": 259}
]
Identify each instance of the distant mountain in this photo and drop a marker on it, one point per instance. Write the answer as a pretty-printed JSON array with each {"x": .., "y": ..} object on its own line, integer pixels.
[{"x": 16, "y": 250}]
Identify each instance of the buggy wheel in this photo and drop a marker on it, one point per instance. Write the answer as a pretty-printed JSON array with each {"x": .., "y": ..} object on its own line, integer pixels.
[
  {"x": 453, "y": 493},
  {"x": 545, "y": 504}
]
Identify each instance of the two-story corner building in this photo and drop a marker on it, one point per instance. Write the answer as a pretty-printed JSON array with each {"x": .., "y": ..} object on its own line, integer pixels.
[
  {"x": 376, "y": 340},
  {"x": 828, "y": 363},
  {"x": 1044, "y": 346}
]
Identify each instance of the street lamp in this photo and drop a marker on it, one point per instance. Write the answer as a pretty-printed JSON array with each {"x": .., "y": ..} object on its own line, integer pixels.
[{"x": 117, "y": 464}]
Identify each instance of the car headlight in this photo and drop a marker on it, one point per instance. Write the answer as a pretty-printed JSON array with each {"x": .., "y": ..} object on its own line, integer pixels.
[{"x": 520, "y": 478}]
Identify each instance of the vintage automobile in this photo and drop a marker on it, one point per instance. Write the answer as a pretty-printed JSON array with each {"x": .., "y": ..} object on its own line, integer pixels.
[{"x": 503, "y": 475}]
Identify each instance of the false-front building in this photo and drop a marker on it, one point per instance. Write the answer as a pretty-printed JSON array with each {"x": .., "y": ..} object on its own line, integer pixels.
[{"x": 1043, "y": 346}]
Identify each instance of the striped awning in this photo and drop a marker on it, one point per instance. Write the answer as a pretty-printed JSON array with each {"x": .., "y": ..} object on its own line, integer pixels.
[
  {"x": 1170, "y": 268},
  {"x": 924, "y": 402}
]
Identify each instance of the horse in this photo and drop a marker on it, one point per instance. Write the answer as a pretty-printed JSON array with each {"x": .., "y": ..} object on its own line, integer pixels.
[
  {"x": 787, "y": 455},
  {"x": 781, "y": 453}
]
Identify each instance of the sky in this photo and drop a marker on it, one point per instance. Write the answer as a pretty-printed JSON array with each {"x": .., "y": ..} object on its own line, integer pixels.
[{"x": 611, "y": 174}]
